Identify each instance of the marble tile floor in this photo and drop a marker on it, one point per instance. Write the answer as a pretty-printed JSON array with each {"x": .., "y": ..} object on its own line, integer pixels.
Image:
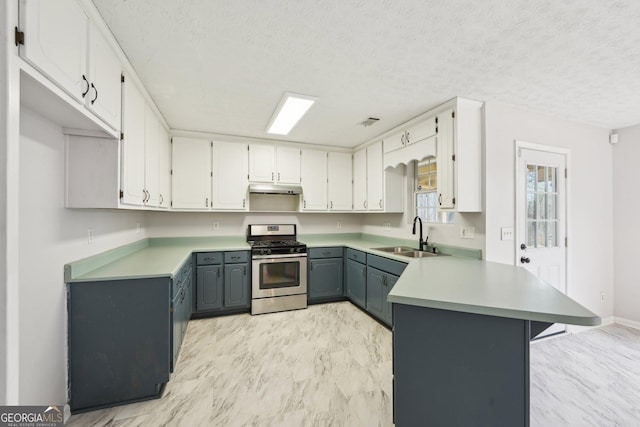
[{"x": 330, "y": 365}]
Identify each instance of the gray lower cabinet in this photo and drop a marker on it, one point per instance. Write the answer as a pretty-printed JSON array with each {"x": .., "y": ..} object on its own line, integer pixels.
[
  {"x": 325, "y": 273},
  {"x": 210, "y": 291},
  {"x": 382, "y": 274},
  {"x": 223, "y": 281},
  {"x": 236, "y": 291},
  {"x": 119, "y": 341},
  {"x": 356, "y": 282},
  {"x": 181, "y": 308}
]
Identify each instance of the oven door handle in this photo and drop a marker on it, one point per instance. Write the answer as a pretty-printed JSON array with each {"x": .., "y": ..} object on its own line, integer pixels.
[{"x": 279, "y": 256}]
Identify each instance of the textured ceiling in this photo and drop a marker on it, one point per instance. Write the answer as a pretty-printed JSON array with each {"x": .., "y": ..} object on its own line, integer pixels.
[{"x": 222, "y": 66}]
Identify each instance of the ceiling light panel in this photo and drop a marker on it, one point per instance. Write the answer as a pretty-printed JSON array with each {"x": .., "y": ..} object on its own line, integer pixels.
[{"x": 291, "y": 109}]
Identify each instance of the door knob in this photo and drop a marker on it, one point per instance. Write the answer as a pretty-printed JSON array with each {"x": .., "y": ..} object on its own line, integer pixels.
[
  {"x": 525, "y": 260},
  {"x": 523, "y": 246}
]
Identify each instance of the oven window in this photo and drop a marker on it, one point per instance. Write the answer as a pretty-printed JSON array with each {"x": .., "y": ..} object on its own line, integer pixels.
[{"x": 279, "y": 275}]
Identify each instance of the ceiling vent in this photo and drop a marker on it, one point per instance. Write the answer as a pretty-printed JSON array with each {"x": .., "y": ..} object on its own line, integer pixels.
[{"x": 369, "y": 121}]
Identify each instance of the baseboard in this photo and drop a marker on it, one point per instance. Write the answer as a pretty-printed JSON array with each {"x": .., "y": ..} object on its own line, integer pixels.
[{"x": 627, "y": 322}]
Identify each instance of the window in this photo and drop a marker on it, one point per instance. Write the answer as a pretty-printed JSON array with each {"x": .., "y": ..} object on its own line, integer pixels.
[
  {"x": 426, "y": 193},
  {"x": 542, "y": 206}
]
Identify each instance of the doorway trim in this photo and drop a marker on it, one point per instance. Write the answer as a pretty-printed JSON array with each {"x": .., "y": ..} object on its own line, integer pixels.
[{"x": 519, "y": 144}]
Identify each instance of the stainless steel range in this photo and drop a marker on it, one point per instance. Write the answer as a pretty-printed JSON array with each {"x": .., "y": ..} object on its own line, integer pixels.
[{"x": 279, "y": 268}]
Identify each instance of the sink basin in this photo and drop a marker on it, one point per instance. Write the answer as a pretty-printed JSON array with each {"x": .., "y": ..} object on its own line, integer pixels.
[
  {"x": 417, "y": 254},
  {"x": 396, "y": 249}
]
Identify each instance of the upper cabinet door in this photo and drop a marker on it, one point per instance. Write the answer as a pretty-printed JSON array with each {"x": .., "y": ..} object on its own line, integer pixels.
[
  {"x": 395, "y": 141},
  {"x": 340, "y": 177},
  {"x": 421, "y": 131},
  {"x": 375, "y": 177},
  {"x": 164, "y": 148},
  {"x": 104, "y": 97},
  {"x": 56, "y": 42},
  {"x": 446, "y": 165},
  {"x": 261, "y": 163},
  {"x": 288, "y": 165},
  {"x": 230, "y": 169},
  {"x": 133, "y": 155},
  {"x": 360, "y": 180},
  {"x": 314, "y": 180},
  {"x": 152, "y": 158},
  {"x": 191, "y": 173}
]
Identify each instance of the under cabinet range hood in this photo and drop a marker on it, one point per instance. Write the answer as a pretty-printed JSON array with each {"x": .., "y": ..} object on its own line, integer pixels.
[{"x": 275, "y": 189}]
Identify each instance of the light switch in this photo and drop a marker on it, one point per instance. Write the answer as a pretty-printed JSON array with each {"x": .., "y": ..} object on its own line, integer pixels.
[{"x": 507, "y": 233}]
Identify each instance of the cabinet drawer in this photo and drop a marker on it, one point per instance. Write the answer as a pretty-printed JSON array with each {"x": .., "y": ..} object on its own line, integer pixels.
[
  {"x": 235, "y": 257},
  {"x": 386, "y": 264},
  {"x": 209, "y": 258},
  {"x": 325, "y": 252},
  {"x": 356, "y": 255}
]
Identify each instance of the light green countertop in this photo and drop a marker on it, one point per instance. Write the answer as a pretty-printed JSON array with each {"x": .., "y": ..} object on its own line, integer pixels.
[
  {"x": 481, "y": 287},
  {"x": 460, "y": 283}
]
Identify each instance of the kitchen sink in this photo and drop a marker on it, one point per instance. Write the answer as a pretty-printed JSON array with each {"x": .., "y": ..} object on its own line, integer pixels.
[
  {"x": 396, "y": 249},
  {"x": 408, "y": 252}
]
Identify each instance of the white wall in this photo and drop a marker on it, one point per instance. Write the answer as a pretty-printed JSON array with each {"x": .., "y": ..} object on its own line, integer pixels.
[
  {"x": 626, "y": 229},
  {"x": 172, "y": 224},
  {"x": 590, "y": 264},
  {"x": 3, "y": 203},
  {"x": 51, "y": 236}
]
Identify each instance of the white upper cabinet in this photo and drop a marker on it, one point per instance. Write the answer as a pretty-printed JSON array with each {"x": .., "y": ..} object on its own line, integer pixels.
[
  {"x": 314, "y": 180},
  {"x": 395, "y": 141},
  {"x": 269, "y": 163},
  {"x": 340, "y": 174},
  {"x": 63, "y": 44},
  {"x": 262, "y": 163},
  {"x": 459, "y": 158},
  {"x": 152, "y": 159},
  {"x": 56, "y": 42},
  {"x": 191, "y": 166},
  {"x": 422, "y": 130},
  {"x": 360, "y": 180},
  {"x": 164, "y": 148},
  {"x": 287, "y": 165},
  {"x": 104, "y": 75},
  {"x": 375, "y": 190},
  {"x": 230, "y": 168},
  {"x": 133, "y": 146}
]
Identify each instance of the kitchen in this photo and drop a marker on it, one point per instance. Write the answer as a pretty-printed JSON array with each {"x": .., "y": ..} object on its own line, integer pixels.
[{"x": 42, "y": 236}]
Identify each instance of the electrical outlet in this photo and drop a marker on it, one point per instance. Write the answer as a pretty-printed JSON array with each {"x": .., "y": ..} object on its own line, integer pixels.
[
  {"x": 89, "y": 235},
  {"x": 467, "y": 232},
  {"x": 339, "y": 224},
  {"x": 387, "y": 226},
  {"x": 507, "y": 233},
  {"x": 602, "y": 296},
  {"x": 216, "y": 225}
]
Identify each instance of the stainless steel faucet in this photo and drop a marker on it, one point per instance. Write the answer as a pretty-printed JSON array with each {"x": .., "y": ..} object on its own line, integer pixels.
[{"x": 421, "y": 243}]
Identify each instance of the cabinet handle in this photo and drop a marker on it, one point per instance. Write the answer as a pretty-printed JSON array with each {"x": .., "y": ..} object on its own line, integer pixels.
[
  {"x": 380, "y": 203},
  {"x": 384, "y": 280},
  {"x": 206, "y": 202},
  {"x": 355, "y": 256},
  {"x": 363, "y": 272},
  {"x": 94, "y": 99},
  {"x": 326, "y": 253},
  {"x": 208, "y": 259},
  {"x": 365, "y": 204},
  {"x": 243, "y": 202},
  {"x": 440, "y": 199},
  {"x": 244, "y": 270},
  {"x": 331, "y": 205},
  {"x": 304, "y": 204},
  {"x": 235, "y": 257},
  {"x": 407, "y": 138},
  {"x": 311, "y": 266},
  {"x": 271, "y": 176},
  {"x": 161, "y": 199},
  {"x": 218, "y": 272},
  {"x": 278, "y": 176},
  {"x": 88, "y": 87}
]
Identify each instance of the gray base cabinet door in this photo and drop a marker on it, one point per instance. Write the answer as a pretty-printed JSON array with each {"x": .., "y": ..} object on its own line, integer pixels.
[
  {"x": 210, "y": 287},
  {"x": 236, "y": 288},
  {"x": 356, "y": 282},
  {"x": 325, "y": 278},
  {"x": 375, "y": 291}
]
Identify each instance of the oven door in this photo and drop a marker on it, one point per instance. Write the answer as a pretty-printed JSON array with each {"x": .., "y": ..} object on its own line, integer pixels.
[{"x": 278, "y": 275}]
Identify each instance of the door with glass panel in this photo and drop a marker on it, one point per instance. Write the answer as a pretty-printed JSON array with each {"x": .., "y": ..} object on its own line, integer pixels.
[{"x": 541, "y": 217}]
